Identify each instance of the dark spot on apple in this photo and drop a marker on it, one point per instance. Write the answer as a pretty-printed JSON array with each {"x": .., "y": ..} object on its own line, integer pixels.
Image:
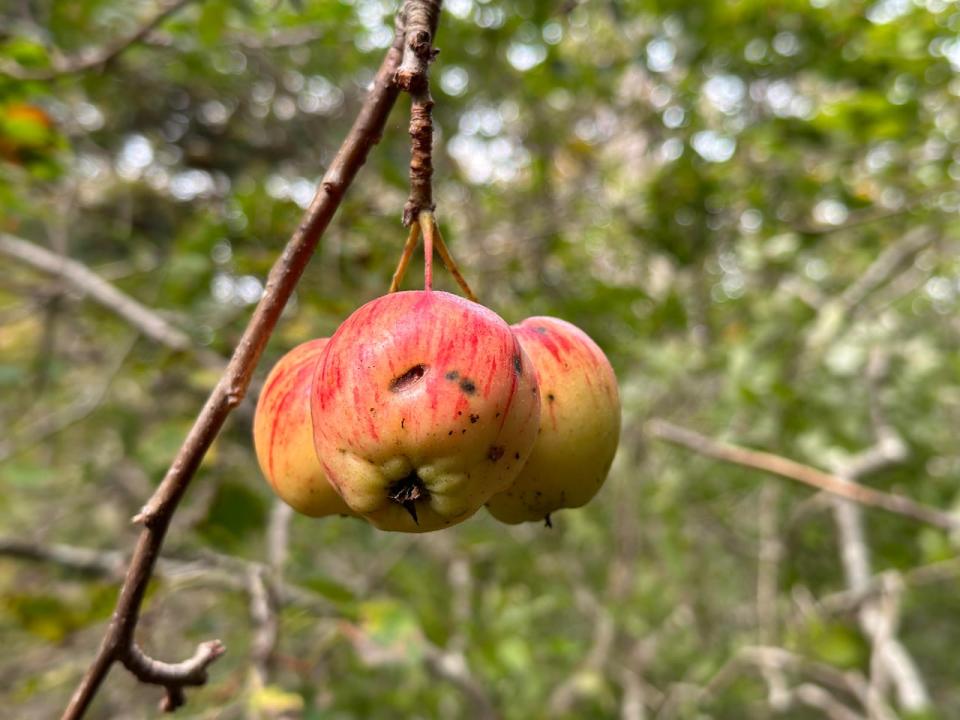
[
  {"x": 518, "y": 364},
  {"x": 450, "y": 433},
  {"x": 407, "y": 491},
  {"x": 452, "y": 375},
  {"x": 551, "y": 397},
  {"x": 516, "y": 456},
  {"x": 402, "y": 422},
  {"x": 497, "y": 415},
  {"x": 408, "y": 379},
  {"x": 463, "y": 432},
  {"x": 459, "y": 413},
  {"x": 495, "y": 452},
  {"x": 468, "y": 386},
  {"x": 474, "y": 418},
  {"x": 540, "y": 329}
]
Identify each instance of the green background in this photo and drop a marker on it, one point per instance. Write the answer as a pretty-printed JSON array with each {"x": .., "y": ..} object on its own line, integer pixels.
[{"x": 742, "y": 201}]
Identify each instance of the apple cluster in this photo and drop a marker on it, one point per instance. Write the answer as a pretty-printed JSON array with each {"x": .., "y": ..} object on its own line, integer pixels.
[{"x": 424, "y": 406}]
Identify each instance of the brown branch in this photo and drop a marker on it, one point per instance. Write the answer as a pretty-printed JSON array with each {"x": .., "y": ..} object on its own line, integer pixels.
[
  {"x": 413, "y": 76},
  {"x": 784, "y": 467},
  {"x": 229, "y": 391},
  {"x": 93, "y": 58}
]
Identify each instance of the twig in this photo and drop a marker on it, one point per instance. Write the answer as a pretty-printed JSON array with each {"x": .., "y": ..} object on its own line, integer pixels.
[
  {"x": 405, "y": 257},
  {"x": 878, "y": 616},
  {"x": 429, "y": 228},
  {"x": 834, "y": 314},
  {"x": 565, "y": 695},
  {"x": 84, "y": 280},
  {"x": 451, "y": 264},
  {"x": 93, "y": 58},
  {"x": 156, "y": 514},
  {"x": 784, "y": 467},
  {"x": 848, "y": 600},
  {"x": 413, "y": 76},
  {"x": 218, "y": 571},
  {"x": 768, "y": 568}
]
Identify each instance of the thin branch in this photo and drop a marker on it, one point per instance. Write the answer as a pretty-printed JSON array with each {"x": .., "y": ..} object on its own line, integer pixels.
[
  {"x": 87, "y": 282},
  {"x": 413, "y": 76},
  {"x": 217, "y": 571},
  {"x": 834, "y": 314},
  {"x": 878, "y": 616},
  {"x": 95, "y": 58},
  {"x": 852, "y": 599},
  {"x": 409, "y": 246},
  {"x": 784, "y": 467},
  {"x": 451, "y": 265},
  {"x": 229, "y": 391}
]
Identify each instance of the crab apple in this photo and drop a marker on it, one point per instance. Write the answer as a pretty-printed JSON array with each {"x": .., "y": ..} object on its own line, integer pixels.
[
  {"x": 424, "y": 406},
  {"x": 283, "y": 435},
  {"x": 579, "y": 423}
]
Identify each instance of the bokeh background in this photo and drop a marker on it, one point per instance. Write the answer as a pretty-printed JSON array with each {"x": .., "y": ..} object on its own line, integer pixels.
[{"x": 750, "y": 204}]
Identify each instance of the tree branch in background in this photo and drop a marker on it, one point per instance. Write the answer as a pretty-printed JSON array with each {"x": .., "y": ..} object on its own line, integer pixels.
[
  {"x": 229, "y": 391},
  {"x": 84, "y": 280},
  {"x": 833, "y": 315},
  {"x": 878, "y": 616},
  {"x": 784, "y": 467},
  {"x": 95, "y": 58}
]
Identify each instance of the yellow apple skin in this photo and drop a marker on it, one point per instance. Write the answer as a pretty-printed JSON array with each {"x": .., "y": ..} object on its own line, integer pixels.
[
  {"x": 426, "y": 390},
  {"x": 283, "y": 435},
  {"x": 579, "y": 423}
]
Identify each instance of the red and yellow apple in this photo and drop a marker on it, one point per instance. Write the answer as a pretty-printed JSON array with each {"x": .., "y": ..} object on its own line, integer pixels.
[
  {"x": 283, "y": 435},
  {"x": 579, "y": 423},
  {"x": 424, "y": 406}
]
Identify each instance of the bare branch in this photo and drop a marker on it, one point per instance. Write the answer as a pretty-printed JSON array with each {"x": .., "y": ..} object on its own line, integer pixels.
[
  {"x": 230, "y": 390},
  {"x": 851, "y": 599},
  {"x": 834, "y": 314},
  {"x": 878, "y": 616},
  {"x": 172, "y": 676},
  {"x": 784, "y": 467},
  {"x": 413, "y": 76},
  {"x": 95, "y": 58},
  {"x": 85, "y": 281}
]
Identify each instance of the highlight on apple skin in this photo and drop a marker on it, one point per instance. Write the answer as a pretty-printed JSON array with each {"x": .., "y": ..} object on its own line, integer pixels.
[
  {"x": 283, "y": 435},
  {"x": 579, "y": 423},
  {"x": 425, "y": 405}
]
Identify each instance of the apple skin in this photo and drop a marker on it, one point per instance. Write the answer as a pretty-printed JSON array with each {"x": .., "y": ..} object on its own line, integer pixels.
[
  {"x": 283, "y": 435},
  {"x": 579, "y": 423},
  {"x": 429, "y": 390}
]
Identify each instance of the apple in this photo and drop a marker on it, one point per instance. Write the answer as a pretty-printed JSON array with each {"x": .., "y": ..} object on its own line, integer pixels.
[
  {"x": 424, "y": 406},
  {"x": 579, "y": 423},
  {"x": 283, "y": 435}
]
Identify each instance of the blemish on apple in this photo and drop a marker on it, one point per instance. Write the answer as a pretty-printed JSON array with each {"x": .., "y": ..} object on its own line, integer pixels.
[{"x": 407, "y": 379}]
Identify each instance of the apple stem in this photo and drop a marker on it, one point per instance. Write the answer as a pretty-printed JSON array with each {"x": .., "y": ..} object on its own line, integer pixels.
[
  {"x": 405, "y": 258},
  {"x": 451, "y": 265},
  {"x": 429, "y": 227}
]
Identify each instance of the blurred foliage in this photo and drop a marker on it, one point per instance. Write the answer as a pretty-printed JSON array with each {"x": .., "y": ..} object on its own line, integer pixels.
[{"x": 697, "y": 184}]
